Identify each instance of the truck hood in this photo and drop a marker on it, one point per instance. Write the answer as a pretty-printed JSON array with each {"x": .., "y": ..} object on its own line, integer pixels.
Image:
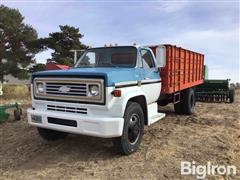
[{"x": 111, "y": 75}]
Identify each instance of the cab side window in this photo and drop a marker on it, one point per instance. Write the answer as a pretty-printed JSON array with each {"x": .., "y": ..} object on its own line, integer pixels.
[{"x": 147, "y": 59}]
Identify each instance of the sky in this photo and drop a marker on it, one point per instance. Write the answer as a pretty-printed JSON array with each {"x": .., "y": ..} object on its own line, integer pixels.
[{"x": 210, "y": 27}]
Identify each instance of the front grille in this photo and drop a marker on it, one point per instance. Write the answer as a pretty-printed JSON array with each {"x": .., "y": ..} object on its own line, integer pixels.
[
  {"x": 63, "y": 122},
  {"x": 67, "y": 109},
  {"x": 74, "y": 89},
  {"x": 69, "y": 89}
]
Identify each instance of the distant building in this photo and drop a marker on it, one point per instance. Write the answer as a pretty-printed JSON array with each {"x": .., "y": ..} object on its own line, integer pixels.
[{"x": 52, "y": 65}]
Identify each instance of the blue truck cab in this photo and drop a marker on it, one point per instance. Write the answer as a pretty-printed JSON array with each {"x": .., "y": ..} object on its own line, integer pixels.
[{"x": 111, "y": 92}]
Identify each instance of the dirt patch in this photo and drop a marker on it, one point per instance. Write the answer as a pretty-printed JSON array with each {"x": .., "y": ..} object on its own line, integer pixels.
[{"x": 211, "y": 134}]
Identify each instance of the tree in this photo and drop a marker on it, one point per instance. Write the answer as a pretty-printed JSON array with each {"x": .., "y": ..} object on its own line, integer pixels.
[
  {"x": 62, "y": 42},
  {"x": 37, "y": 67},
  {"x": 17, "y": 44}
]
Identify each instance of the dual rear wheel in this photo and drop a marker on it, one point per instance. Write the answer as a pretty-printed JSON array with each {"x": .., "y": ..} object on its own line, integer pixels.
[{"x": 187, "y": 103}]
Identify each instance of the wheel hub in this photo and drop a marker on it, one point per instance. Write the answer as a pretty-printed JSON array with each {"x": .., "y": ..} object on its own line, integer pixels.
[{"x": 134, "y": 129}]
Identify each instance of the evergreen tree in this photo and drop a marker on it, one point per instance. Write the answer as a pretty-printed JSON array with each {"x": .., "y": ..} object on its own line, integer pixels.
[
  {"x": 62, "y": 42},
  {"x": 18, "y": 44}
]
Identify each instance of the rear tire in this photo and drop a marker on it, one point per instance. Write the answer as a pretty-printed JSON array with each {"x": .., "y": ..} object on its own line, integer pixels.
[
  {"x": 231, "y": 95},
  {"x": 51, "y": 135},
  {"x": 132, "y": 130},
  {"x": 187, "y": 102},
  {"x": 178, "y": 108}
]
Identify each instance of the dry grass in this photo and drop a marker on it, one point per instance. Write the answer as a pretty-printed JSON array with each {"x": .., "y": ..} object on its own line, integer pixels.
[
  {"x": 211, "y": 134},
  {"x": 12, "y": 93}
]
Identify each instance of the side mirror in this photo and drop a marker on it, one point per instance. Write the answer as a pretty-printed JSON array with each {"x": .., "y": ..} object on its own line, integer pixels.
[{"x": 161, "y": 56}]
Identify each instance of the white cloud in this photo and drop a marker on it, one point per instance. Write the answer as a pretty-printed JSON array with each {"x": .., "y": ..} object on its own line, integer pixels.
[
  {"x": 210, "y": 28},
  {"x": 170, "y": 7},
  {"x": 221, "y": 49},
  {"x": 43, "y": 56}
]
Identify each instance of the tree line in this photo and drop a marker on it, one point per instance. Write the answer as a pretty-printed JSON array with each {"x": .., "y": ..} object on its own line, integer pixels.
[{"x": 19, "y": 43}]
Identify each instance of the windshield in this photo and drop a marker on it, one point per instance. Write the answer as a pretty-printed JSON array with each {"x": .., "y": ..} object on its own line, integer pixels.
[{"x": 109, "y": 57}]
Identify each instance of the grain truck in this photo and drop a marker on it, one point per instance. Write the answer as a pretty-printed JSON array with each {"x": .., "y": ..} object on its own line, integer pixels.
[{"x": 112, "y": 92}]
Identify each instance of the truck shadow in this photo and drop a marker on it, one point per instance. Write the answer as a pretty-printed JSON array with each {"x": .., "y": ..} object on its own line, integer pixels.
[
  {"x": 168, "y": 110},
  {"x": 71, "y": 150}
]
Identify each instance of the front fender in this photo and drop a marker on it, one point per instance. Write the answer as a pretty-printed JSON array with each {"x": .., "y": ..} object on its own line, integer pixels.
[{"x": 120, "y": 103}]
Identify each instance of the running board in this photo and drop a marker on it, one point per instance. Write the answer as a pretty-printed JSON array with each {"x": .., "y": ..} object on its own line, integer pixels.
[{"x": 153, "y": 114}]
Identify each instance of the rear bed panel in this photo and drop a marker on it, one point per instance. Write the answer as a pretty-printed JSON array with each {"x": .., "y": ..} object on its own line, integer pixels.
[{"x": 184, "y": 69}]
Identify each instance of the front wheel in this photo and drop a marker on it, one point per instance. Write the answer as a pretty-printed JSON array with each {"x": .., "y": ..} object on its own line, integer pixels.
[{"x": 132, "y": 131}]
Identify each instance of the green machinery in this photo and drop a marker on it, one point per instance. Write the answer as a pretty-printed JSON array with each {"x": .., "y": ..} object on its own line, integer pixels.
[
  {"x": 4, "y": 115},
  {"x": 214, "y": 90}
]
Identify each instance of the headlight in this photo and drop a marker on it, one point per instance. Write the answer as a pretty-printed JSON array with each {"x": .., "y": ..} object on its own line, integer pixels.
[
  {"x": 40, "y": 87},
  {"x": 93, "y": 90}
]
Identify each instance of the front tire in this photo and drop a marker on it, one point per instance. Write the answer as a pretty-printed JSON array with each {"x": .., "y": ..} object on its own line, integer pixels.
[
  {"x": 51, "y": 135},
  {"x": 132, "y": 131}
]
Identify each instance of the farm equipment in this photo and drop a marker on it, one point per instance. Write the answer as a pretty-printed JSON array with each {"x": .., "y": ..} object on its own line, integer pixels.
[
  {"x": 215, "y": 90},
  {"x": 4, "y": 115}
]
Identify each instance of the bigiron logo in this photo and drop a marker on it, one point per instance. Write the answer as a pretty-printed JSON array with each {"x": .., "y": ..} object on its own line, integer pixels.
[{"x": 201, "y": 171}]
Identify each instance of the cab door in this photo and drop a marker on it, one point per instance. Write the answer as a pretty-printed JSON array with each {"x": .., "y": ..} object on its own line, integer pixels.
[{"x": 150, "y": 82}]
